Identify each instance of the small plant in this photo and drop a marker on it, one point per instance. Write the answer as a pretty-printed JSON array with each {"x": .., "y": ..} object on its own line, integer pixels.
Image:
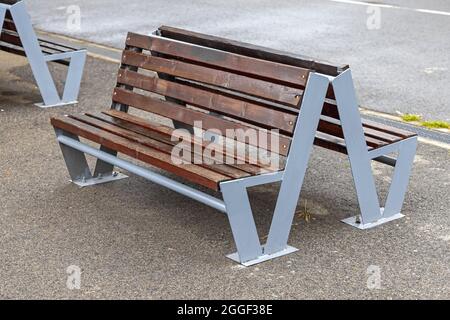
[
  {"x": 408, "y": 117},
  {"x": 305, "y": 214},
  {"x": 436, "y": 124}
]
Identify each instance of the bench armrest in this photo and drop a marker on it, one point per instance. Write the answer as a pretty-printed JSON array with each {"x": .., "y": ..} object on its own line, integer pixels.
[{"x": 63, "y": 55}]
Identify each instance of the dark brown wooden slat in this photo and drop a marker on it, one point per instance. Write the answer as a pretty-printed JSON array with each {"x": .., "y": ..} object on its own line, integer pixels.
[
  {"x": 12, "y": 50},
  {"x": 332, "y": 143},
  {"x": 373, "y": 133},
  {"x": 188, "y": 116},
  {"x": 388, "y": 129},
  {"x": 373, "y": 137},
  {"x": 241, "y": 110},
  {"x": 11, "y": 38},
  {"x": 241, "y": 64},
  {"x": 167, "y": 148},
  {"x": 106, "y": 122},
  {"x": 230, "y": 81},
  {"x": 163, "y": 133},
  {"x": 336, "y": 130},
  {"x": 193, "y": 173},
  {"x": 56, "y": 46},
  {"x": 251, "y": 50},
  {"x": 239, "y": 95},
  {"x": 8, "y": 13},
  {"x": 9, "y": 25}
]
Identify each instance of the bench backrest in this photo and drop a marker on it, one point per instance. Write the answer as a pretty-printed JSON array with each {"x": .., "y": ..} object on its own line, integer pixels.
[
  {"x": 9, "y": 32},
  {"x": 330, "y": 134},
  {"x": 238, "y": 90}
]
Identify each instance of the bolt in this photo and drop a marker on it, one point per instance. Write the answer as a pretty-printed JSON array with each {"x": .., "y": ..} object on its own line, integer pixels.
[
  {"x": 291, "y": 123},
  {"x": 115, "y": 174},
  {"x": 358, "y": 219}
]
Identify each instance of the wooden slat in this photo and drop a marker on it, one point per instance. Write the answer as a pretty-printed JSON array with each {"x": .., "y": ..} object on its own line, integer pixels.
[
  {"x": 230, "y": 81},
  {"x": 9, "y": 25},
  {"x": 188, "y": 116},
  {"x": 388, "y": 129},
  {"x": 194, "y": 173},
  {"x": 332, "y": 143},
  {"x": 163, "y": 133},
  {"x": 10, "y": 38},
  {"x": 12, "y": 50},
  {"x": 162, "y": 146},
  {"x": 335, "y": 130},
  {"x": 252, "y": 50},
  {"x": 257, "y": 68},
  {"x": 241, "y": 110},
  {"x": 138, "y": 125}
]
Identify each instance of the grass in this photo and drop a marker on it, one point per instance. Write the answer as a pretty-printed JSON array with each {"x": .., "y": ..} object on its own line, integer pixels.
[
  {"x": 433, "y": 124},
  {"x": 408, "y": 117},
  {"x": 436, "y": 124}
]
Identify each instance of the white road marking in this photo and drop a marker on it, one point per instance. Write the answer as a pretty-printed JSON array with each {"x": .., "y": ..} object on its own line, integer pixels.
[{"x": 381, "y": 5}]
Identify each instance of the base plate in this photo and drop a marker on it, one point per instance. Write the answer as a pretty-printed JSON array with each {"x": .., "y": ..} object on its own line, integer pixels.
[
  {"x": 265, "y": 257},
  {"x": 94, "y": 181},
  {"x": 62, "y": 104},
  {"x": 353, "y": 221}
]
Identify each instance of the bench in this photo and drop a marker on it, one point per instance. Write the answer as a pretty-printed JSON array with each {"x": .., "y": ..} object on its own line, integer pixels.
[
  {"x": 215, "y": 84},
  {"x": 18, "y": 37}
]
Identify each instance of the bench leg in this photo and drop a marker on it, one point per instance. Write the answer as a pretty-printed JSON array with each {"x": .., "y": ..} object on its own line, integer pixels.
[
  {"x": 103, "y": 168},
  {"x": 38, "y": 62},
  {"x": 2, "y": 17},
  {"x": 74, "y": 76},
  {"x": 360, "y": 160},
  {"x": 78, "y": 167},
  {"x": 235, "y": 194},
  {"x": 400, "y": 180}
]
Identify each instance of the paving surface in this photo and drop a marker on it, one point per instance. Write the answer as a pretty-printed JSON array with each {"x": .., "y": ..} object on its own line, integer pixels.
[
  {"x": 134, "y": 239},
  {"x": 402, "y": 66}
]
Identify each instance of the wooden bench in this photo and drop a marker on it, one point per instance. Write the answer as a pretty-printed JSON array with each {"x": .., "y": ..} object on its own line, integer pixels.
[
  {"x": 191, "y": 78},
  {"x": 18, "y": 37}
]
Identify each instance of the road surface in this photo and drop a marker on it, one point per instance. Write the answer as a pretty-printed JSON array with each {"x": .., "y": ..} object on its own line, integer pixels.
[{"x": 398, "y": 51}]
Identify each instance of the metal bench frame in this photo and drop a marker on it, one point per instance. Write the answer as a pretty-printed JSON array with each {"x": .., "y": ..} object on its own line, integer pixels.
[
  {"x": 38, "y": 61},
  {"x": 235, "y": 201}
]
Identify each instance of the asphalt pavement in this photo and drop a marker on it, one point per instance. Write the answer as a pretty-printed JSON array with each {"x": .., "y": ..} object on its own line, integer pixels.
[{"x": 134, "y": 239}]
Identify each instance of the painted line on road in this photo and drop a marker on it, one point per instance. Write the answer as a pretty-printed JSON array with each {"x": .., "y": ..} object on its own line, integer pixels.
[{"x": 391, "y": 6}]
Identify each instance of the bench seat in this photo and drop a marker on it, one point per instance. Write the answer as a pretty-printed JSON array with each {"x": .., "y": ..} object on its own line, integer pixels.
[{"x": 150, "y": 142}]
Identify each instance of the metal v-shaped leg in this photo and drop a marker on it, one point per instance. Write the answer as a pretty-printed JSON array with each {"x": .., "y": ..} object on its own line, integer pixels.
[
  {"x": 2, "y": 17},
  {"x": 38, "y": 62},
  {"x": 249, "y": 249},
  {"x": 360, "y": 160},
  {"x": 78, "y": 167}
]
